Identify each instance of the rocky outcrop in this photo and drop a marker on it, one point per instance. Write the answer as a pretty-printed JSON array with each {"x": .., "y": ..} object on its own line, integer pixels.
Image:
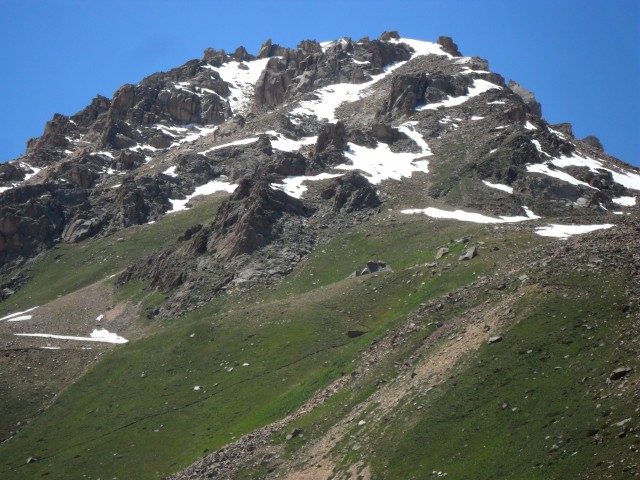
[
  {"x": 351, "y": 192},
  {"x": 80, "y": 229},
  {"x": 449, "y": 46},
  {"x": 407, "y": 91},
  {"x": 31, "y": 219},
  {"x": 527, "y": 97},
  {"x": 594, "y": 142},
  {"x": 128, "y": 160},
  {"x": 331, "y": 136},
  {"x": 251, "y": 219}
]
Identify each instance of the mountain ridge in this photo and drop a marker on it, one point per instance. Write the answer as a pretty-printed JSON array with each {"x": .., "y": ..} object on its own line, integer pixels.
[{"x": 343, "y": 211}]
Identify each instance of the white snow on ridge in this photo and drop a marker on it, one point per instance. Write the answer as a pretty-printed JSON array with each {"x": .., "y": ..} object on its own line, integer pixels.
[
  {"x": 242, "y": 81},
  {"x": 285, "y": 144},
  {"x": 21, "y": 318},
  {"x": 104, "y": 153},
  {"x": 201, "y": 132},
  {"x": 498, "y": 186},
  {"x": 423, "y": 48},
  {"x": 17, "y": 314},
  {"x": 625, "y": 201},
  {"x": 545, "y": 170},
  {"x": 470, "y": 216},
  {"x": 377, "y": 164},
  {"x": 479, "y": 87},
  {"x": 244, "y": 141},
  {"x": 626, "y": 179},
  {"x": 207, "y": 189},
  {"x": 565, "y": 231},
  {"x": 539, "y": 147},
  {"x": 294, "y": 187},
  {"x": 380, "y": 163},
  {"x": 171, "y": 171},
  {"x": 329, "y": 98},
  {"x": 97, "y": 335}
]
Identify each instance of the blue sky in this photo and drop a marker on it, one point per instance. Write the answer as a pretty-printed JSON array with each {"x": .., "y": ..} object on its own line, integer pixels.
[{"x": 580, "y": 57}]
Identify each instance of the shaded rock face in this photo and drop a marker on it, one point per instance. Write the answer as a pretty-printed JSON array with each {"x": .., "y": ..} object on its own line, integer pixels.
[
  {"x": 251, "y": 218},
  {"x": 449, "y": 46},
  {"x": 79, "y": 229},
  {"x": 351, "y": 192},
  {"x": 31, "y": 219},
  {"x": 594, "y": 142},
  {"x": 9, "y": 172},
  {"x": 136, "y": 200},
  {"x": 293, "y": 72},
  {"x": 408, "y": 91},
  {"x": 331, "y": 135},
  {"x": 128, "y": 160},
  {"x": 527, "y": 97}
]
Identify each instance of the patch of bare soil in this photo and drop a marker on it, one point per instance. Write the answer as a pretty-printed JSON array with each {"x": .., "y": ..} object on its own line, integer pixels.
[{"x": 35, "y": 369}]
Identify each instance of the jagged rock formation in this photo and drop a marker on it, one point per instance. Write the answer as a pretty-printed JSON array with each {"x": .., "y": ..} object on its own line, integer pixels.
[{"x": 294, "y": 112}]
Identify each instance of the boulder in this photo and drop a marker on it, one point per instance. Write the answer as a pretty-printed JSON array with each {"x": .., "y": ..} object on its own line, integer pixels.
[
  {"x": 79, "y": 229},
  {"x": 619, "y": 373},
  {"x": 469, "y": 253},
  {"x": 128, "y": 160},
  {"x": 331, "y": 135},
  {"x": 351, "y": 192}
]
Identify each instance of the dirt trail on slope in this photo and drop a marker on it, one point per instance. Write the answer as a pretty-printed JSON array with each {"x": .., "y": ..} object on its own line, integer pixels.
[
  {"x": 433, "y": 362},
  {"x": 439, "y": 356}
]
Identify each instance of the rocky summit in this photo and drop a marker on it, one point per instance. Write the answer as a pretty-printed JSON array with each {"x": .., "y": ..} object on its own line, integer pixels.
[{"x": 351, "y": 259}]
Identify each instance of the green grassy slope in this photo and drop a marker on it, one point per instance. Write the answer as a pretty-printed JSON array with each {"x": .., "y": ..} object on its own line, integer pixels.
[
  {"x": 67, "y": 268},
  {"x": 538, "y": 404},
  {"x": 136, "y": 414}
]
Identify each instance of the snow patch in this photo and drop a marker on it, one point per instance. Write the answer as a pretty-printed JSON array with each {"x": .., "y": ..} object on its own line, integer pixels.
[
  {"x": 423, "y": 48},
  {"x": 470, "y": 216},
  {"x": 207, "y": 189},
  {"x": 565, "y": 177},
  {"x": 625, "y": 201},
  {"x": 565, "y": 231},
  {"x": 241, "y": 81},
  {"x": 293, "y": 186},
  {"x": 380, "y": 163},
  {"x": 536, "y": 143},
  {"x": 286, "y": 144},
  {"x": 498, "y": 186},
  {"x": 17, "y": 314},
  {"x": 479, "y": 87},
  {"x": 171, "y": 171},
  {"x": 530, "y": 126},
  {"x": 626, "y": 179},
  {"x": 97, "y": 335}
]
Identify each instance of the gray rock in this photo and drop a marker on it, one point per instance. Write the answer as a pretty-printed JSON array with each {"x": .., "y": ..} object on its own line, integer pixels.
[
  {"x": 469, "y": 253},
  {"x": 619, "y": 373},
  {"x": 495, "y": 339},
  {"x": 441, "y": 252},
  {"x": 527, "y": 97}
]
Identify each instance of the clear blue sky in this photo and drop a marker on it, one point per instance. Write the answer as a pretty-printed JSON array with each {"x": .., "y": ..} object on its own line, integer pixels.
[{"x": 580, "y": 57}]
